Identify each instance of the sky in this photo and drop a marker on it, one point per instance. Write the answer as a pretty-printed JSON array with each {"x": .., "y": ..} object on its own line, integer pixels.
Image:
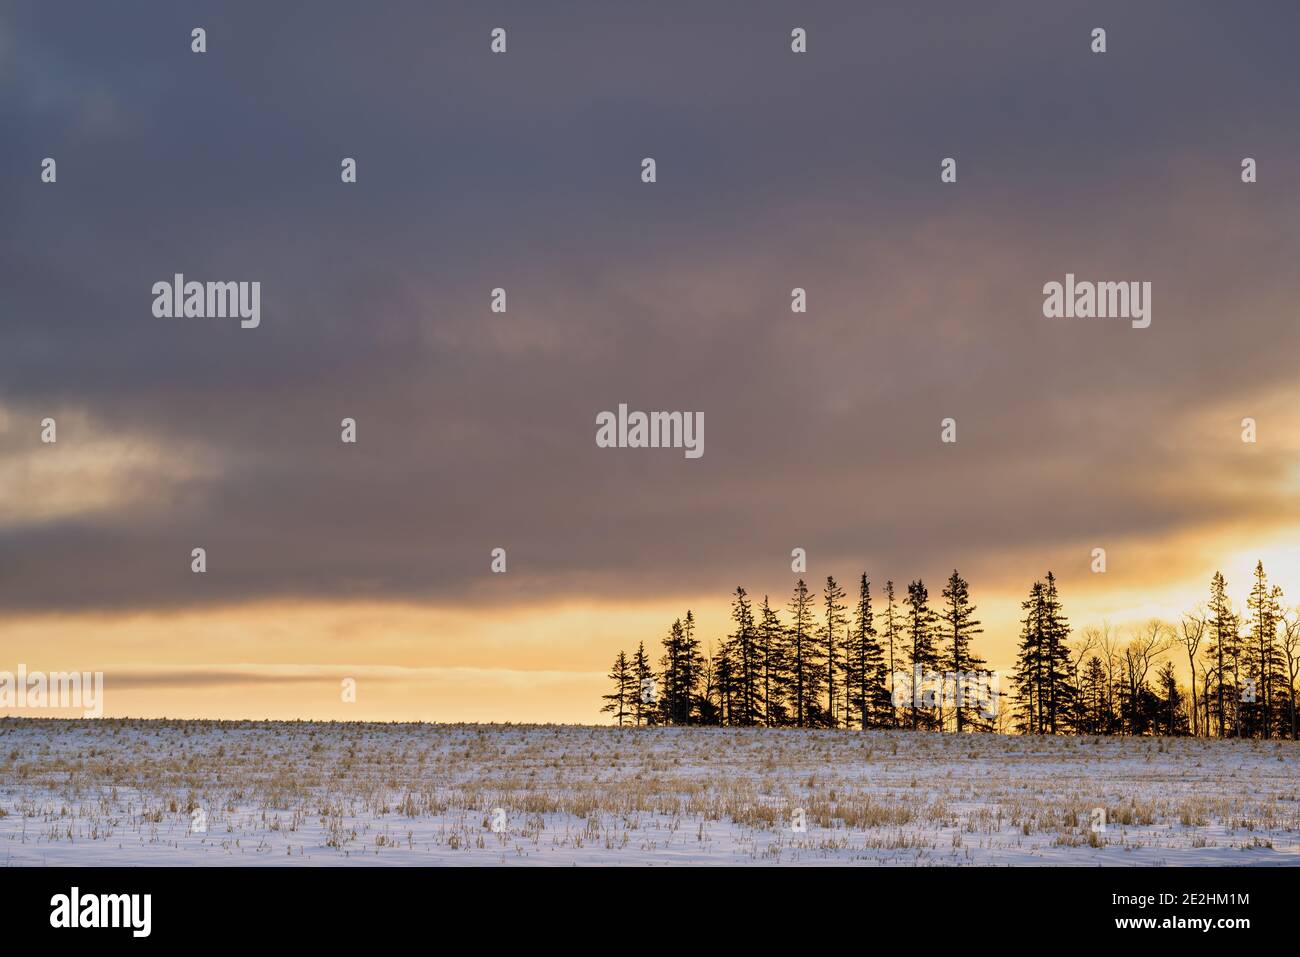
[{"x": 476, "y": 430}]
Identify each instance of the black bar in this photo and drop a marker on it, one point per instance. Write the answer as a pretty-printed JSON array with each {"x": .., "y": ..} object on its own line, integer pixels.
[{"x": 330, "y": 905}]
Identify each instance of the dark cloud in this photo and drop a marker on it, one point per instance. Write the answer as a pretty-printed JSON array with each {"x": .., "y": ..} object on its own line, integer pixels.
[{"x": 521, "y": 171}]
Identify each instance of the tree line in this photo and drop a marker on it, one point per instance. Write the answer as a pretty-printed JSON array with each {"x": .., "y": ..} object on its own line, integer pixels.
[{"x": 824, "y": 661}]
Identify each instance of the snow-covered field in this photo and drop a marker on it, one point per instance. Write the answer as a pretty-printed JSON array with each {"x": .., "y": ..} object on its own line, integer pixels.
[{"x": 140, "y": 792}]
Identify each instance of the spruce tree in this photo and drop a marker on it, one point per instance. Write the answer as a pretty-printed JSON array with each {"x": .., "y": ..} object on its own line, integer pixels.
[
  {"x": 1264, "y": 664},
  {"x": 893, "y": 645},
  {"x": 619, "y": 700},
  {"x": 640, "y": 672},
  {"x": 960, "y": 626},
  {"x": 831, "y": 653},
  {"x": 1221, "y": 650},
  {"x": 771, "y": 638},
  {"x": 690, "y": 665},
  {"x": 864, "y": 665},
  {"x": 745, "y": 642},
  {"x": 1056, "y": 635},
  {"x": 670, "y": 675},
  {"x": 1027, "y": 678},
  {"x": 1044, "y": 694},
  {"x": 922, "y": 653},
  {"x": 800, "y": 653},
  {"x": 1094, "y": 698},
  {"x": 724, "y": 672}
]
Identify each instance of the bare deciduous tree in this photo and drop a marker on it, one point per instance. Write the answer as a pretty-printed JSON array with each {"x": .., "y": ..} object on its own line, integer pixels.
[
  {"x": 1193, "y": 630},
  {"x": 1149, "y": 642},
  {"x": 1291, "y": 654}
]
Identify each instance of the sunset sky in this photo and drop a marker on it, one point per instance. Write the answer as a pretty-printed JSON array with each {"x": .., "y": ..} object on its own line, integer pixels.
[{"x": 476, "y": 430}]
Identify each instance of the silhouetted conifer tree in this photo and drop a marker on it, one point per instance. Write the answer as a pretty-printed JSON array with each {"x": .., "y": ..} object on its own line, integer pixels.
[
  {"x": 771, "y": 640},
  {"x": 923, "y": 656},
  {"x": 864, "y": 666},
  {"x": 618, "y": 702},
  {"x": 960, "y": 625},
  {"x": 745, "y": 642},
  {"x": 641, "y": 670},
  {"x": 1221, "y": 651},
  {"x": 830, "y": 653},
  {"x": 1264, "y": 666},
  {"x": 893, "y": 648},
  {"x": 801, "y": 656}
]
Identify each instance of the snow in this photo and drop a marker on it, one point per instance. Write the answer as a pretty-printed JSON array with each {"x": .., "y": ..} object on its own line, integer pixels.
[{"x": 117, "y": 792}]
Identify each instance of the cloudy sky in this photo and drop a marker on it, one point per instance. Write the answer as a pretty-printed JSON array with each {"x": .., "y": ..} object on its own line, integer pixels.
[{"x": 476, "y": 430}]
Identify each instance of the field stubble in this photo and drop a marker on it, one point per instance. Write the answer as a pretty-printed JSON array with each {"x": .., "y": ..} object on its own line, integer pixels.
[{"x": 190, "y": 792}]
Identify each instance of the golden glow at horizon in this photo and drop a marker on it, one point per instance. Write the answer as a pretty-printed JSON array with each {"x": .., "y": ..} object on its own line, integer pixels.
[{"x": 536, "y": 663}]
